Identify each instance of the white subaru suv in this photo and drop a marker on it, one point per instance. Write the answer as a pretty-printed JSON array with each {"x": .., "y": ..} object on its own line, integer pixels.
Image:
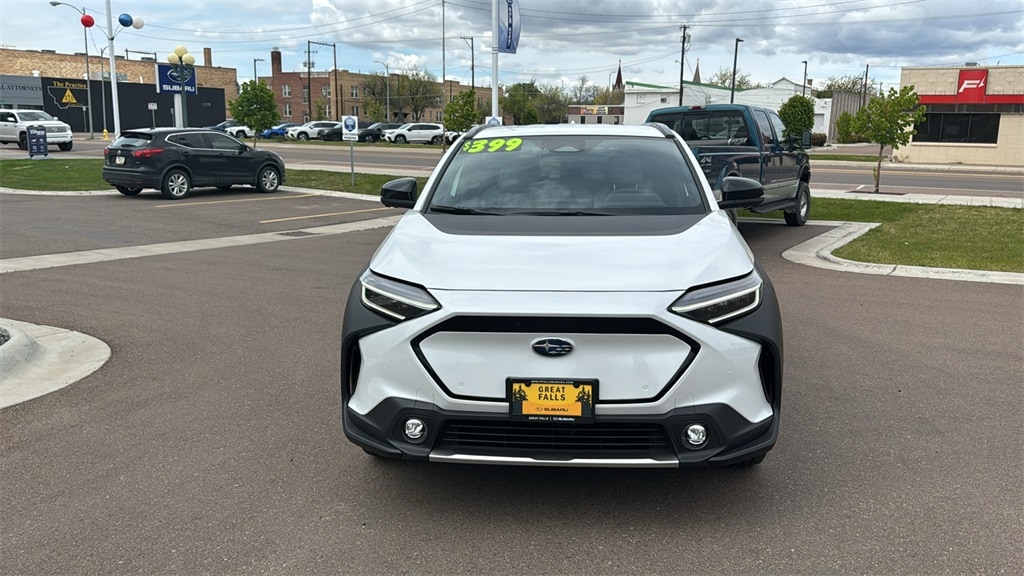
[
  {"x": 566, "y": 295},
  {"x": 14, "y": 128}
]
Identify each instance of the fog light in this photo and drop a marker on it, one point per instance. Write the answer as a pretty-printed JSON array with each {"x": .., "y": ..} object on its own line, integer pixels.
[
  {"x": 696, "y": 434},
  {"x": 415, "y": 429}
]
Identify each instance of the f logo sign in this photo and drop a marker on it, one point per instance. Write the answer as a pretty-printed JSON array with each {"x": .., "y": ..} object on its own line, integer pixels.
[{"x": 971, "y": 86}]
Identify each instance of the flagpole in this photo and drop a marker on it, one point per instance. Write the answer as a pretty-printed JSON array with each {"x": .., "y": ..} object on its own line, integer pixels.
[{"x": 494, "y": 59}]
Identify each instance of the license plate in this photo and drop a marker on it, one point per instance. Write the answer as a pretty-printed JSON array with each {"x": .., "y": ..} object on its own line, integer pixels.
[
  {"x": 552, "y": 400},
  {"x": 119, "y": 160}
]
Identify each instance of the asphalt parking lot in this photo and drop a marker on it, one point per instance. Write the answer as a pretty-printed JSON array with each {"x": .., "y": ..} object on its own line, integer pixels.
[{"x": 210, "y": 442}]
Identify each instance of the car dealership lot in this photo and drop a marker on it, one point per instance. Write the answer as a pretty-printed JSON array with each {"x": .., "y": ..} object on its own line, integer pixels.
[{"x": 210, "y": 441}]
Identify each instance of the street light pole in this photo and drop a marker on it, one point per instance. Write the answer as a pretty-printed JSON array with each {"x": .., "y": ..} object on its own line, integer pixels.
[
  {"x": 123, "y": 20},
  {"x": 804, "y": 87},
  {"x": 387, "y": 79},
  {"x": 254, "y": 61},
  {"x": 182, "y": 62},
  {"x": 735, "y": 53},
  {"x": 87, "y": 21}
]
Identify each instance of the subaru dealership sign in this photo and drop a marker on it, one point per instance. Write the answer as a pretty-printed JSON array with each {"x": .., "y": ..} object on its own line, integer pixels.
[{"x": 171, "y": 78}]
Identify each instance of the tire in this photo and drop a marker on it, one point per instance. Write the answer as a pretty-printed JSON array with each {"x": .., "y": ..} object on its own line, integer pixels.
[
  {"x": 371, "y": 138},
  {"x": 23, "y": 141},
  {"x": 400, "y": 139},
  {"x": 799, "y": 213},
  {"x": 176, "y": 185},
  {"x": 435, "y": 140},
  {"x": 268, "y": 180},
  {"x": 302, "y": 136},
  {"x": 128, "y": 190},
  {"x": 65, "y": 146}
]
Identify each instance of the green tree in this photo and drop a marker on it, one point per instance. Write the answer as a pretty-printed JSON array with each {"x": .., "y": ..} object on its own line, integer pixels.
[
  {"x": 255, "y": 107},
  {"x": 552, "y": 105},
  {"x": 607, "y": 96},
  {"x": 460, "y": 114},
  {"x": 797, "y": 114},
  {"x": 849, "y": 83},
  {"x": 583, "y": 91},
  {"x": 374, "y": 88},
  {"x": 519, "y": 101},
  {"x": 845, "y": 129},
  {"x": 419, "y": 91},
  {"x": 723, "y": 78},
  {"x": 320, "y": 109},
  {"x": 889, "y": 120},
  {"x": 375, "y": 110}
]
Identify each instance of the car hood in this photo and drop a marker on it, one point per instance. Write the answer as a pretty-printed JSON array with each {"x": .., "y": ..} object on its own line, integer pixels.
[{"x": 417, "y": 251}]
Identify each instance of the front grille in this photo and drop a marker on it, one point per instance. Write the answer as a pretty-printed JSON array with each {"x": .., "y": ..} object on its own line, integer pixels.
[
  {"x": 525, "y": 438},
  {"x": 55, "y": 129}
]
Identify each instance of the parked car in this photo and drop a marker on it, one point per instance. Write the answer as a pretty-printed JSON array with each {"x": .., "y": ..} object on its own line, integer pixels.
[
  {"x": 14, "y": 128},
  {"x": 240, "y": 132},
  {"x": 311, "y": 130},
  {"x": 422, "y": 132},
  {"x": 174, "y": 160},
  {"x": 277, "y": 131},
  {"x": 371, "y": 133},
  {"x": 223, "y": 126},
  {"x": 451, "y": 136},
  {"x": 564, "y": 295}
]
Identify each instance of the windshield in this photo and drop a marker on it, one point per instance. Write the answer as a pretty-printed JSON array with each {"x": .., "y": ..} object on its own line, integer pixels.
[
  {"x": 568, "y": 175},
  {"x": 34, "y": 115}
]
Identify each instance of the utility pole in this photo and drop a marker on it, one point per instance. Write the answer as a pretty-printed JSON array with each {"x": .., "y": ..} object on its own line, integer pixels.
[
  {"x": 803, "y": 91},
  {"x": 336, "y": 95},
  {"x": 472, "y": 60},
  {"x": 682, "y": 60}
]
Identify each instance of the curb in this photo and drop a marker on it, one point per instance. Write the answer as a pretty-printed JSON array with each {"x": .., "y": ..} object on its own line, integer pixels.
[
  {"x": 817, "y": 252},
  {"x": 43, "y": 359}
]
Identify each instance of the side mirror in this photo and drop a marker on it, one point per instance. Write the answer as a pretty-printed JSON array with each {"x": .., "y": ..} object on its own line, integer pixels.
[
  {"x": 805, "y": 139},
  {"x": 399, "y": 193},
  {"x": 740, "y": 193}
]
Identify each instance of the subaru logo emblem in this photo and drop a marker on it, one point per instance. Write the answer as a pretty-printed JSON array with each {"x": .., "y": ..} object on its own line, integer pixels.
[{"x": 550, "y": 346}]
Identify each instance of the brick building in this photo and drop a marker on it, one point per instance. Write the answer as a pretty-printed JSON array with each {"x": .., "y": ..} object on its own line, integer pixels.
[
  {"x": 292, "y": 90},
  {"x": 142, "y": 71}
]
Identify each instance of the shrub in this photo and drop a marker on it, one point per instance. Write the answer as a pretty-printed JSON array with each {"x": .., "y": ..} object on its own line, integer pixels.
[{"x": 818, "y": 139}]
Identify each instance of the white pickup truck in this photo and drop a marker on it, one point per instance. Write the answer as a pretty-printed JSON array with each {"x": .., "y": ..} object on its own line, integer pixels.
[{"x": 14, "y": 128}]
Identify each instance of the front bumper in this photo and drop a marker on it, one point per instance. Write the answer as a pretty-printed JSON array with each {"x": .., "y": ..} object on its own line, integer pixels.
[{"x": 730, "y": 383}]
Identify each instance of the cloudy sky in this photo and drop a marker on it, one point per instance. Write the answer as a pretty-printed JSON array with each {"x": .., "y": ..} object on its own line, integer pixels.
[{"x": 561, "y": 40}]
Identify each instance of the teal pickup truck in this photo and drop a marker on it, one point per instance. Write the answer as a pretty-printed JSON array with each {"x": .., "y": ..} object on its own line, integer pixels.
[{"x": 747, "y": 141}]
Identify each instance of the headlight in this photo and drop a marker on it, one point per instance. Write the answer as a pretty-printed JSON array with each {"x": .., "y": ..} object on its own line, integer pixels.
[
  {"x": 395, "y": 299},
  {"x": 713, "y": 304}
]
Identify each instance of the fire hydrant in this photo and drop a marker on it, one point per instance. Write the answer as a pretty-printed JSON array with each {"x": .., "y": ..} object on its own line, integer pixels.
[{"x": 105, "y": 136}]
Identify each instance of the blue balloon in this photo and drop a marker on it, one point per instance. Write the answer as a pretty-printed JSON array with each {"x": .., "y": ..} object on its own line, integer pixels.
[{"x": 125, "y": 20}]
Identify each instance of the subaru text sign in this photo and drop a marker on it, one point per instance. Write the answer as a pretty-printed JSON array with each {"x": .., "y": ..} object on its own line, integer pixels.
[{"x": 171, "y": 79}]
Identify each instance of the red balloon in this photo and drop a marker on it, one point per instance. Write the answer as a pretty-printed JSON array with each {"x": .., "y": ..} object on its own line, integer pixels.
[{"x": 87, "y": 21}]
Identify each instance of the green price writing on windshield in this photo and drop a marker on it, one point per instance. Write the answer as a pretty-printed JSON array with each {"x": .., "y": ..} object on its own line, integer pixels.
[{"x": 495, "y": 145}]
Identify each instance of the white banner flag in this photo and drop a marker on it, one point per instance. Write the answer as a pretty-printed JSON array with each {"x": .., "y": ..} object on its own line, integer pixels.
[{"x": 508, "y": 27}]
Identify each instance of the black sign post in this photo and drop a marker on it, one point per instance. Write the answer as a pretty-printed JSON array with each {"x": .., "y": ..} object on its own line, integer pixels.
[{"x": 37, "y": 141}]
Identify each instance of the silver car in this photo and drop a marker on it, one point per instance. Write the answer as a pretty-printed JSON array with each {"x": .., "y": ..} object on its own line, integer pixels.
[{"x": 567, "y": 295}]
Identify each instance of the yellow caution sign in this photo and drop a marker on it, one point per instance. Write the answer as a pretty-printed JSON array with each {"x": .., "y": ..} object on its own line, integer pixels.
[{"x": 69, "y": 98}]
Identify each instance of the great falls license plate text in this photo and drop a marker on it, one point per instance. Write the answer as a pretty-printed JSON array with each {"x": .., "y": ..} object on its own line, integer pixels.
[{"x": 552, "y": 400}]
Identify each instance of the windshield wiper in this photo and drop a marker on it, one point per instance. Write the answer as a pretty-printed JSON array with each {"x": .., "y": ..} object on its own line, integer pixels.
[{"x": 458, "y": 210}]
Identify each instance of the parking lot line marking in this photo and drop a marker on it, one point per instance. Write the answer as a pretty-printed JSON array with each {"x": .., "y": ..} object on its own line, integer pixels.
[
  {"x": 127, "y": 252},
  {"x": 320, "y": 215},
  {"x": 208, "y": 202}
]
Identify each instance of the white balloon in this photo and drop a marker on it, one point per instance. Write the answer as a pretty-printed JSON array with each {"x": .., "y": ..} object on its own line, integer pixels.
[{"x": 137, "y": 23}]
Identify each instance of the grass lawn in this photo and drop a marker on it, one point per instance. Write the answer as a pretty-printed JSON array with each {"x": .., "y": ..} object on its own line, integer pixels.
[{"x": 973, "y": 238}]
